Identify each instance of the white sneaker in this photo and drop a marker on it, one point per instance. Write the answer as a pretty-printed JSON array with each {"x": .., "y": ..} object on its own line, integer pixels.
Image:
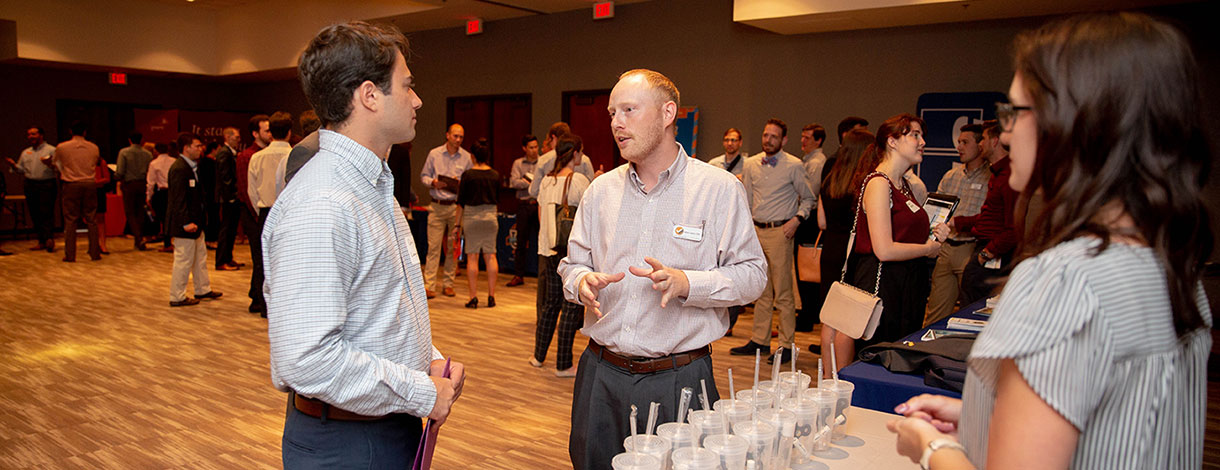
[
  {"x": 534, "y": 362},
  {"x": 566, "y": 373}
]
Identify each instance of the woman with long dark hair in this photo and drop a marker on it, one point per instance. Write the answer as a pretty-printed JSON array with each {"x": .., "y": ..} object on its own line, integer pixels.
[
  {"x": 478, "y": 195},
  {"x": 551, "y": 305},
  {"x": 892, "y": 230},
  {"x": 836, "y": 204},
  {"x": 1096, "y": 356}
]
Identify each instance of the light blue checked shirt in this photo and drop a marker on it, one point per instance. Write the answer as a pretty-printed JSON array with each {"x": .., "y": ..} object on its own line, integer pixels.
[{"x": 348, "y": 317}]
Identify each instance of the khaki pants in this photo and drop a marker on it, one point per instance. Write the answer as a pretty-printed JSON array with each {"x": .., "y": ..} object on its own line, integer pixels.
[
  {"x": 778, "y": 292},
  {"x": 947, "y": 280},
  {"x": 440, "y": 222},
  {"x": 190, "y": 260}
]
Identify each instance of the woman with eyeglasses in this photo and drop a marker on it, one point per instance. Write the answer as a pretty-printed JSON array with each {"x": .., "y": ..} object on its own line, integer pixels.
[
  {"x": 1096, "y": 356},
  {"x": 893, "y": 238}
]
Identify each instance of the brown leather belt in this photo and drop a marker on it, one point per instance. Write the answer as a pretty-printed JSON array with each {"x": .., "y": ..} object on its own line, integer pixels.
[
  {"x": 322, "y": 410},
  {"x": 778, "y": 223},
  {"x": 647, "y": 365},
  {"x": 445, "y": 203}
]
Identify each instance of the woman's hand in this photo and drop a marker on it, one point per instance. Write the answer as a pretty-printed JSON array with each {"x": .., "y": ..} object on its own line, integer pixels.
[
  {"x": 938, "y": 410},
  {"x": 914, "y": 434},
  {"x": 940, "y": 232}
]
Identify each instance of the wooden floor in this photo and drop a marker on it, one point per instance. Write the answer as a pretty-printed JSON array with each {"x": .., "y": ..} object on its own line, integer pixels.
[{"x": 96, "y": 371}]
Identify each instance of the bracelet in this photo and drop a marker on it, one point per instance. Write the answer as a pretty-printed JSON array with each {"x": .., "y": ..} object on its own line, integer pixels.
[{"x": 935, "y": 445}]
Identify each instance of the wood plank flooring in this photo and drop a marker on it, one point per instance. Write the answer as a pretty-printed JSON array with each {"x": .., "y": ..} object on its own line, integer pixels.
[{"x": 97, "y": 371}]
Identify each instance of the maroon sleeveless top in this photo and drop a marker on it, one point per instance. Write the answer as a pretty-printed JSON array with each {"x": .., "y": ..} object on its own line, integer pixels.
[{"x": 906, "y": 225}]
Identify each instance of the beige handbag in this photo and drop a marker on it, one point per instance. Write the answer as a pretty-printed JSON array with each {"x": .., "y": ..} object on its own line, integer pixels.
[
  {"x": 809, "y": 260},
  {"x": 848, "y": 309}
]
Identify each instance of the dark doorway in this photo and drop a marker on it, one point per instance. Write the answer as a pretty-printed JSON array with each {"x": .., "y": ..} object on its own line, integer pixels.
[
  {"x": 585, "y": 111},
  {"x": 502, "y": 120}
]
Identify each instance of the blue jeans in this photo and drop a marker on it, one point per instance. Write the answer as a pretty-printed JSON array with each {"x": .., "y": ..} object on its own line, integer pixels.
[{"x": 312, "y": 443}]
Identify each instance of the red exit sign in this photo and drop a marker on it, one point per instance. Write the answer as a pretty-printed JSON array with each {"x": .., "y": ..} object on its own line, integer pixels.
[
  {"x": 118, "y": 78},
  {"x": 474, "y": 26},
  {"x": 603, "y": 10}
]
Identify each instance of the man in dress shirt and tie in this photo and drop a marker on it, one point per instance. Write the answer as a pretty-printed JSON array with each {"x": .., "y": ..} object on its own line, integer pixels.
[
  {"x": 441, "y": 172},
  {"x": 780, "y": 199},
  {"x": 660, "y": 248},
  {"x": 350, "y": 337}
]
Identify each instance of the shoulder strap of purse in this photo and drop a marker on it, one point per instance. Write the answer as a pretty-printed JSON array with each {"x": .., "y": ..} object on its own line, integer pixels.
[
  {"x": 851, "y": 241},
  {"x": 564, "y": 199}
]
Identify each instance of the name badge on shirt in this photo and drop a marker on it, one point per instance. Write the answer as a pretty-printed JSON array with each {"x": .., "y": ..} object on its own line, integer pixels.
[
  {"x": 192, "y": 183},
  {"x": 976, "y": 186},
  {"x": 687, "y": 232},
  {"x": 912, "y": 206}
]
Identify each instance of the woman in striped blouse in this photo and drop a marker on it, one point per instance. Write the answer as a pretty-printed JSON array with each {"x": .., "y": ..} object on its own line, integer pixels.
[{"x": 1096, "y": 356}]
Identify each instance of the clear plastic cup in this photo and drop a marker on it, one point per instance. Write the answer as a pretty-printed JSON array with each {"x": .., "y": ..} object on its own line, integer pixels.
[
  {"x": 736, "y": 411},
  {"x": 761, "y": 437},
  {"x": 707, "y": 423},
  {"x": 655, "y": 446},
  {"x": 842, "y": 390},
  {"x": 806, "y": 413},
  {"x": 731, "y": 449},
  {"x": 825, "y": 401},
  {"x": 761, "y": 399},
  {"x": 780, "y": 390},
  {"x": 800, "y": 379},
  {"x": 692, "y": 458},
  {"x": 635, "y": 461},
  {"x": 777, "y": 418},
  {"x": 680, "y": 435}
]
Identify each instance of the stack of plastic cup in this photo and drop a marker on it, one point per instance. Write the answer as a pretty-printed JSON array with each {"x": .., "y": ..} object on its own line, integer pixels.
[
  {"x": 635, "y": 461},
  {"x": 655, "y": 446},
  {"x": 731, "y": 449},
  {"x": 707, "y": 423},
  {"x": 800, "y": 379},
  {"x": 806, "y": 412},
  {"x": 843, "y": 390},
  {"x": 761, "y": 437},
  {"x": 780, "y": 420},
  {"x": 825, "y": 400},
  {"x": 736, "y": 411},
  {"x": 693, "y": 458},
  {"x": 761, "y": 399},
  {"x": 680, "y": 435}
]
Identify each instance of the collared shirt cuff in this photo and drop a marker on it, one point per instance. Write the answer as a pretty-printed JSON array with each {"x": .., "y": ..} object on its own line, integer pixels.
[
  {"x": 702, "y": 283},
  {"x": 423, "y": 395},
  {"x": 573, "y": 289}
]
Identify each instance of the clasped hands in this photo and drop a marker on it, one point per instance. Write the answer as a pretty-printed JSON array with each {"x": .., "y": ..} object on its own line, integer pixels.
[
  {"x": 672, "y": 283},
  {"x": 447, "y": 389},
  {"x": 927, "y": 418}
]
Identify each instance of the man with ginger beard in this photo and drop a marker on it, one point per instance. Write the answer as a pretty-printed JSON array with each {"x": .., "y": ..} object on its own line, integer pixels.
[{"x": 681, "y": 228}]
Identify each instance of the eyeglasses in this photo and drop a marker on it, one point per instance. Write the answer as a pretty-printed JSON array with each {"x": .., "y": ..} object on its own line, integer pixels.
[{"x": 1006, "y": 113}]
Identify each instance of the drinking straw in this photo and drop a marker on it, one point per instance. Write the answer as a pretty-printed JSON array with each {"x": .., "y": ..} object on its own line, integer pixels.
[
  {"x": 796, "y": 352},
  {"x": 652, "y": 417},
  {"x": 819, "y": 380},
  {"x": 834, "y": 365},
  {"x": 775, "y": 365},
  {"x": 633, "y": 422},
  {"x": 757, "y": 362},
  {"x": 684, "y": 403},
  {"x": 703, "y": 396},
  {"x": 732, "y": 391}
]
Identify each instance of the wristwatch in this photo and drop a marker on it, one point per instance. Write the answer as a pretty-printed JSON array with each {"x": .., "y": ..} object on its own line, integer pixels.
[{"x": 935, "y": 445}]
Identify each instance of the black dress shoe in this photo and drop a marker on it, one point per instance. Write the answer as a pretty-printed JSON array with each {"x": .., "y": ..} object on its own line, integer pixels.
[
  {"x": 815, "y": 349},
  {"x": 491, "y": 301},
  {"x": 209, "y": 295},
  {"x": 749, "y": 348},
  {"x": 785, "y": 355},
  {"x": 474, "y": 303}
]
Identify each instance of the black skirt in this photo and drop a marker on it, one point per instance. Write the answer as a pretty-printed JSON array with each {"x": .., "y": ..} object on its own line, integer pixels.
[{"x": 904, "y": 294}]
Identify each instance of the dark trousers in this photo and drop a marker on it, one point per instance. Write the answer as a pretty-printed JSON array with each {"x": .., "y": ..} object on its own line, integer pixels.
[
  {"x": 809, "y": 292},
  {"x": 40, "y": 199},
  {"x": 160, "y": 206},
  {"x": 527, "y": 235},
  {"x": 979, "y": 282},
  {"x": 256, "y": 259},
  {"x": 211, "y": 228},
  {"x": 231, "y": 215},
  {"x": 550, "y": 303},
  {"x": 80, "y": 206},
  {"x": 133, "y": 208},
  {"x": 313, "y": 443},
  {"x": 603, "y": 397}
]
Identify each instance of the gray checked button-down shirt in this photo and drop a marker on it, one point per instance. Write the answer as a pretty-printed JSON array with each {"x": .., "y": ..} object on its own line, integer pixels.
[
  {"x": 696, "y": 220},
  {"x": 348, "y": 317},
  {"x": 777, "y": 193},
  {"x": 442, "y": 163}
]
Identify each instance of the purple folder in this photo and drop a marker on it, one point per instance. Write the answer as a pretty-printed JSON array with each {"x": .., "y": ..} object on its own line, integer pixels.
[{"x": 427, "y": 443}]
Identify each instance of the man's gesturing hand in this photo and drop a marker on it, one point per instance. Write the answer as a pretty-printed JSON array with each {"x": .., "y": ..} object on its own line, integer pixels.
[
  {"x": 671, "y": 282},
  {"x": 592, "y": 284}
]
